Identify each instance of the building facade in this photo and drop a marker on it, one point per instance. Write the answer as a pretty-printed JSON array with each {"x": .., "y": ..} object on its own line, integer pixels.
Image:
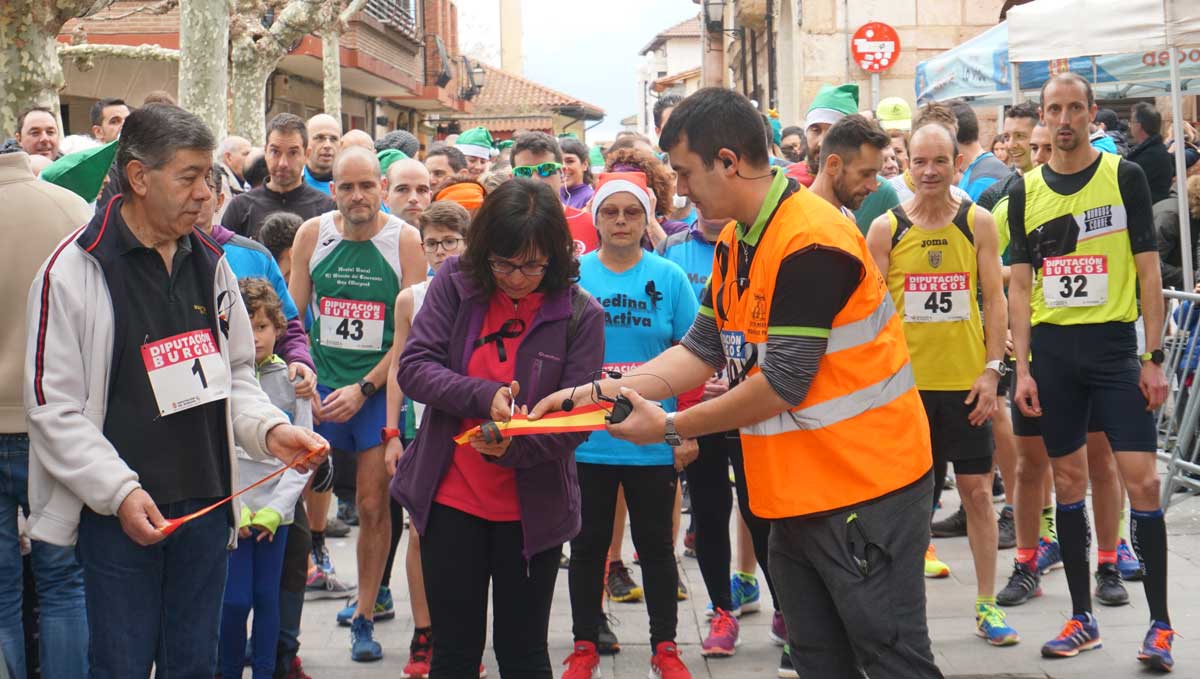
[{"x": 670, "y": 65}]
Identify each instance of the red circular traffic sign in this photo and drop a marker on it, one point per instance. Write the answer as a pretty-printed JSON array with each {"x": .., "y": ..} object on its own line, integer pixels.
[{"x": 875, "y": 47}]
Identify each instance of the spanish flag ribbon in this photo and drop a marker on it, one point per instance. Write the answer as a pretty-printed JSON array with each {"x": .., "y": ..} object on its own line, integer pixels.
[
  {"x": 584, "y": 418},
  {"x": 174, "y": 524}
]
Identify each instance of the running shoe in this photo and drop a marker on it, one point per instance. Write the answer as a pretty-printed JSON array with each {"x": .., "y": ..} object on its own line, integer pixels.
[
  {"x": 667, "y": 663},
  {"x": 1006, "y": 527},
  {"x": 564, "y": 561},
  {"x": 681, "y": 590},
  {"x": 1127, "y": 562},
  {"x": 689, "y": 543},
  {"x": 326, "y": 585},
  {"x": 620, "y": 584},
  {"x": 1110, "y": 590},
  {"x": 997, "y": 488},
  {"x": 1049, "y": 555},
  {"x": 295, "y": 670},
  {"x": 420, "y": 656},
  {"x": 778, "y": 632},
  {"x": 583, "y": 663},
  {"x": 723, "y": 636},
  {"x": 347, "y": 511},
  {"x": 953, "y": 526},
  {"x": 1080, "y": 633},
  {"x": 607, "y": 642},
  {"x": 336, "y": 528},
  {"x": 1022, "y": 586},
  {"x": 786, "y": 669},
  {"x": 934, "y": 567},
  {"x": 990, "y": 625},
  {"x": 385, "y": 609},
  {"x": 743, "y": 594},
  {"x": 1156, "y": 649},
  {"x": 363, "y": 647}
]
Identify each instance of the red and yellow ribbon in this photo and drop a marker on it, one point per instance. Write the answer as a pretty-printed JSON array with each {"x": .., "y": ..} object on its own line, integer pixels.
[
  {"x": 174, "y": 524},
  {"x": 584, "y": 418}
]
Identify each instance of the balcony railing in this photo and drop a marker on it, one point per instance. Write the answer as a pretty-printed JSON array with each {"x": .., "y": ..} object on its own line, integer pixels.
[{"x": 395, "y": 14}]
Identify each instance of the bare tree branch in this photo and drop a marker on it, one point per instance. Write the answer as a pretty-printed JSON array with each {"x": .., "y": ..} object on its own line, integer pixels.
[{"x": 158, "y": 8}]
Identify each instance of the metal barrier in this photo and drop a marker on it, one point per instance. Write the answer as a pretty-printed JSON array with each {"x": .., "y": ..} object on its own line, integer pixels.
[{"x": 1178, "y": 419}]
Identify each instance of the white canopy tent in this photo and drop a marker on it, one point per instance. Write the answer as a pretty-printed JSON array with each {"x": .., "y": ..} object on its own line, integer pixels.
[{"x": 1076, "y": 28}]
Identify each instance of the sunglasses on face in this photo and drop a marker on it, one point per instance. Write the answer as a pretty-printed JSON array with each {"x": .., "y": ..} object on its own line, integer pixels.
[
  {"x": 543, "y": 170},
  {"x": 632, "y": 214}
]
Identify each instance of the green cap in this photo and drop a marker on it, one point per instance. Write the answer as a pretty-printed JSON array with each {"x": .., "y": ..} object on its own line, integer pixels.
[
  {"x": 83, "y": 171},
  {"x": 476, "y": 142},
  {"x": 505, "y": 144},
  {"x": 832, "y": 104},
  {"x": 596, "y": 158},
  {"x": 389, "y": 156}
]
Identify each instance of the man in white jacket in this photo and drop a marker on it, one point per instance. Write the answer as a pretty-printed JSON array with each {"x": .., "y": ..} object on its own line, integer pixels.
[{"x": 139, "y": 382}]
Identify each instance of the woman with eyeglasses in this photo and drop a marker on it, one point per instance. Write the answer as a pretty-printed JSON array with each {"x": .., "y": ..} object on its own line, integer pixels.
[
  {"x": 577, "y": 174},
  {"x": 501, "y": 326},
  {"x": 649, "y": 305}
]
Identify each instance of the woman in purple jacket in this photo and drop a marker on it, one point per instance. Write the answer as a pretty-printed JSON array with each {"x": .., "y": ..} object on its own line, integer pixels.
[{"x": 502, "y": 326}]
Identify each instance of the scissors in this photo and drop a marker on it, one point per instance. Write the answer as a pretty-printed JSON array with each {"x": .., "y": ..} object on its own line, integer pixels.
[{"x": 491, "y": 430}]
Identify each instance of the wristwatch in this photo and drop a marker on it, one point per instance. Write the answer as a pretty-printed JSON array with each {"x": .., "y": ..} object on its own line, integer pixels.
[
  {"x": 672, "y": 436},
  {"x": 367, "y": 387},
  {"x": 1156, "y": 357},
  {"x": 999, "y": 366},
  {"x": 387, "y": 434}
]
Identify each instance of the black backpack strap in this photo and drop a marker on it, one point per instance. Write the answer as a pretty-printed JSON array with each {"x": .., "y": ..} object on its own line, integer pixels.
[{"x": 579, "y": 303}]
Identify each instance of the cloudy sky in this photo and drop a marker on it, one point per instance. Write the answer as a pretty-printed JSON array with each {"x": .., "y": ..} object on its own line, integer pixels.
[{"x": 586, "y": 49}]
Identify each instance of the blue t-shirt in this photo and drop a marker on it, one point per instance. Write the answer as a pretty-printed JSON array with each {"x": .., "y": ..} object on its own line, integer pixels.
[
  {"x": 251, "y": 259},
  {"x": 982, "y": 173},
  {"x": 646, "y": 310},
  {"x": 317, "y": 184},
  {"x": 694, "y": 255}
]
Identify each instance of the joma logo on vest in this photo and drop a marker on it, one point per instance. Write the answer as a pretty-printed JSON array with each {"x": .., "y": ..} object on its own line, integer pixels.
[{"x": 934, "y": 241}]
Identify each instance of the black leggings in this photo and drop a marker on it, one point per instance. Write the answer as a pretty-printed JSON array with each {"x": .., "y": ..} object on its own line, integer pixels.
[
  {"x": 712, "y": 501},
  {"x": 462, "y": 556},
  {"x": 397, "y": 531},
  {"x": 650, "y": 496}
]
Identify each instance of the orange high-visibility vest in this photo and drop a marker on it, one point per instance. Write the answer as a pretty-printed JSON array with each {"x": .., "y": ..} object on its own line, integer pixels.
[{"x": 861, "y": 432}]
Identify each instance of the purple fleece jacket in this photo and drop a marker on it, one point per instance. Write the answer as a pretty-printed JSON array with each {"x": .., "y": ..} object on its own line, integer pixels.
[
  {"x": 292, "y": 345},
  {"x": 432, "y": 371}
]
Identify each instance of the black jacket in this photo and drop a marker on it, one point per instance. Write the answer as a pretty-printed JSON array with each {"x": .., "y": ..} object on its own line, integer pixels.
[
  {"x": 1158, "y": 164},
  {"x": 1166, "y": 223}
]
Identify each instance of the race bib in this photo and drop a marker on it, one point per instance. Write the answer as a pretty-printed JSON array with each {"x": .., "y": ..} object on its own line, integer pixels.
[
  {"x": 740, "y": 356},
  {"x": 351, "y": 324},
  {"x": 1075, "y": 281},
  {"x": 185, "y": 371},
  {"x": 937, "y": 297}
]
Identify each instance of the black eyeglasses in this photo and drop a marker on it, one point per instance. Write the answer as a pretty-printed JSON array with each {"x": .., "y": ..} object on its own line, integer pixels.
[
  {"x": 529, "y": 269},
  {"x": 431, "y": 246}
]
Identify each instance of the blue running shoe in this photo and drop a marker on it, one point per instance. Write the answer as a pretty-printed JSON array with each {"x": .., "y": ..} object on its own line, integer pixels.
[
  {"x": 385, "y": 609},
  {"x": 990, "y": 624},
  {"x": 1127, "y": 562},
  {"x": 363, "y": 647},
  {"x": 1049, "y": 555},
  {"x": 1156, "y": 649},
  {"x": 1081, "y": 633},
  {"x": 745, "y": 593}
]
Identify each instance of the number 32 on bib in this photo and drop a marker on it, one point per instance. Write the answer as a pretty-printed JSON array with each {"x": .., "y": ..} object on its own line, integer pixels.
[
  {"x": 1075, "y": 281},
  {"x": 352, "y": 324},
  {"x": 937, "y": 297}
]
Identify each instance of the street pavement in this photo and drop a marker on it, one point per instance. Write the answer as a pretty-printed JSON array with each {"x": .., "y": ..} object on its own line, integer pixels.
[{"x": 960, "y": 654}]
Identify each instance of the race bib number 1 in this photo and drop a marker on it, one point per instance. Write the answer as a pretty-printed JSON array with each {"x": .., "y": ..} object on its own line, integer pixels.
[
  {"x": 937, "y": 297},
  {"x": 351, "y": 324},
  {"x": 1075, "y": 281},
  {"x": 185, "y": 371}
]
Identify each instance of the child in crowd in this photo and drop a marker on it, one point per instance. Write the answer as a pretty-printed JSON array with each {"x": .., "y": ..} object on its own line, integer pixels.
[
  {"x": 277, "y": 233},
  {"x": 255, "y": 567},
  {"x": 443, "y": 229}
]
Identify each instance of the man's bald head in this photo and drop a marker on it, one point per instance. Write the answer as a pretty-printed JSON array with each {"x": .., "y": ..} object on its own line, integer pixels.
[
  {"x": 233, "y": 152},
  {"x": 357, "y": 187},
  {"x": 352, "y": 158},
  {"x": 358, "y": 138},
  {"x": 933, "y": 161},
  {"x": 324, "y": 134},
  {"x": 408, "y": 191}
]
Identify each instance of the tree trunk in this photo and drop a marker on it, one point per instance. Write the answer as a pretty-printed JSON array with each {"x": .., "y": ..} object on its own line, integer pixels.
[
  {"x": 203, "y": 64},
  {"x": 331, "y": 56},
  {"x": 254, "y": 53},
  {"x": 30, "y": 71},
  {"x": 331, "y": 66}
]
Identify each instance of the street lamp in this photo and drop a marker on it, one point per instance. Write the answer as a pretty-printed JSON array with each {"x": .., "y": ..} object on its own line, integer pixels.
[
  {"x": 472, "y": 80},
  {"x": 714, "y": 15}
]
